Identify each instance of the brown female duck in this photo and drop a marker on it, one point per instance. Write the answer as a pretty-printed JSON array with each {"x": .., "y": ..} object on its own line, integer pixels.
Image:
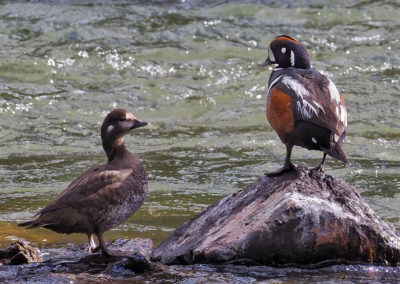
[{"x": 104, "y": 196}]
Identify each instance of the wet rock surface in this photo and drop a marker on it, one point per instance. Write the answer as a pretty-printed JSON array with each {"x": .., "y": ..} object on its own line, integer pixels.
[
  {"x": 73, "y": 263},
  {"x": 301, "y": 218}
]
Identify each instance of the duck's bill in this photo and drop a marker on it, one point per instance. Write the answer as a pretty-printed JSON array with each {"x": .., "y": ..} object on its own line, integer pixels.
[
  {"x": 138, "y": 123},
  {"x": 266, "y": 63}
]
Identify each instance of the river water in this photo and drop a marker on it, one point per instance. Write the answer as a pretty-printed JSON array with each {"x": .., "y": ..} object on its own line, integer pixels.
[{"x": 190, "y": 68}]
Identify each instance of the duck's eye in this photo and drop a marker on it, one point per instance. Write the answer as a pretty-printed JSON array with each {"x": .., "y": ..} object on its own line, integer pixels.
[{"x": 122, "y": 119}]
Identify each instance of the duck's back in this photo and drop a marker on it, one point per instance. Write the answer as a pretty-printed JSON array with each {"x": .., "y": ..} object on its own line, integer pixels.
[{"x": 314, "y": 98}]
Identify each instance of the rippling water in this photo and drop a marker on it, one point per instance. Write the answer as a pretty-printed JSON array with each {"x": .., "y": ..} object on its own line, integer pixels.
[{"x": 191, "y": 69}]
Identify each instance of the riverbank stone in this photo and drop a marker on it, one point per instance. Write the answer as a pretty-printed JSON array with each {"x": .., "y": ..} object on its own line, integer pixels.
[
  {"x": 19, "y": 252},
  {"x": 300, "y": 218}
]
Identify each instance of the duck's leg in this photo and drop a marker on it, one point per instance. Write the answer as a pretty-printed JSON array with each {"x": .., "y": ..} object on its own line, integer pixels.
[
  {"x": 102, "y": 244},
  {"x": 288, "y": 164},
  {"x": 93, "y": 248},
  {"x": 106, "y": 251},
  {"x": 320, "y": 167}
]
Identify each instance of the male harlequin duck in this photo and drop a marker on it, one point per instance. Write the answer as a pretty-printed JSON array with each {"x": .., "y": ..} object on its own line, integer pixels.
[
  {"x": 104, "y": 196},
  {"x": 303, "y": 106}
]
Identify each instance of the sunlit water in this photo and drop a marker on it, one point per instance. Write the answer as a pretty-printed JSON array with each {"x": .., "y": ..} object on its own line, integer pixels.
[{"x": 191, "y": 69}]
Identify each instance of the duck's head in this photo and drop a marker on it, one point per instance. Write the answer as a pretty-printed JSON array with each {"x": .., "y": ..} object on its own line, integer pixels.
[
  {"x": 116, "y": 124},
  {"x": 287, "y": 52}
]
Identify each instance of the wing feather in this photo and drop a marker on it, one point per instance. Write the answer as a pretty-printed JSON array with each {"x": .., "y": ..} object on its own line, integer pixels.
[
  {"x": 89, "y": 183},
  {"x": 315, "y": 98}
]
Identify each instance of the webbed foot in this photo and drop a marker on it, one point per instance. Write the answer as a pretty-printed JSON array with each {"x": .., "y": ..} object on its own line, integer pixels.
[
  {"x": 319, "y": 168},
  {"x": 286, "y": 168}
]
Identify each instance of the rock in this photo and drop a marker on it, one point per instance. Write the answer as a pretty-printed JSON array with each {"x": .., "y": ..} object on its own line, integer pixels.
[
  {"x": 73, "y": 263},
  {"x": 19, "y": 253},
  {"x": 136, "y": 245},
  {"x": 134, "y": 255},
  {"x": 136, "y": 262},
  {"x": 98, "y": 263},
  {"x": 299, "y": 218}
]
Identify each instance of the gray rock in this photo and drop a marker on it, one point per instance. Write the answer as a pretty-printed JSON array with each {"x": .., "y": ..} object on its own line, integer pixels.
[{"x": 299, "y": 218}]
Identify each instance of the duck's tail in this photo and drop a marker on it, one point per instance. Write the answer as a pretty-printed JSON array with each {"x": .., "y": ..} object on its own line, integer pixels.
[
  {"x": 336, "y": 150},
  {"x": 32, "y": 224},
  {"x": 338, "y": 153}
]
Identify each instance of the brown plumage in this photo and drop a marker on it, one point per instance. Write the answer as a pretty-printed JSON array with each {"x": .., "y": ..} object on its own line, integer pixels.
[
  {"x": 303, "y": 106},
  {"x": 104, "y": 196}
]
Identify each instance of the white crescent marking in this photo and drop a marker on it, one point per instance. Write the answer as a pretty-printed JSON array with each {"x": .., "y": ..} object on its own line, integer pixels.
[
  {"x": 271, "y": 55},
  {"x": 292, "y": 58},
  {"x": 273, "y": 83}
]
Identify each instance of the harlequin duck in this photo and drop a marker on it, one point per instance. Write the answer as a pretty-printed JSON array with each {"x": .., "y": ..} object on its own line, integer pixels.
[
  {"x": 304, "y": 107},
  {"x": 104, "y": 196}
]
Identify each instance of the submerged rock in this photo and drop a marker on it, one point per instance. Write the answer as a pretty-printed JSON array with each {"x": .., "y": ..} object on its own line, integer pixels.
[
  {"x": 299, "y": 218},
  {"x": 19, "y": 252}
]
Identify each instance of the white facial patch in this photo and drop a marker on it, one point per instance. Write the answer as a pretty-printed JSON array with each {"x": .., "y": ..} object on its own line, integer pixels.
[
  {"x": 271, "y": 55},
  {"x": 126, "y": 124},
  {"x": 130, "y": 116},
  {"x": 292, "y": 58},
  {"x": 110, "y": 128},
  {"x": 283, "y": 50}
]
